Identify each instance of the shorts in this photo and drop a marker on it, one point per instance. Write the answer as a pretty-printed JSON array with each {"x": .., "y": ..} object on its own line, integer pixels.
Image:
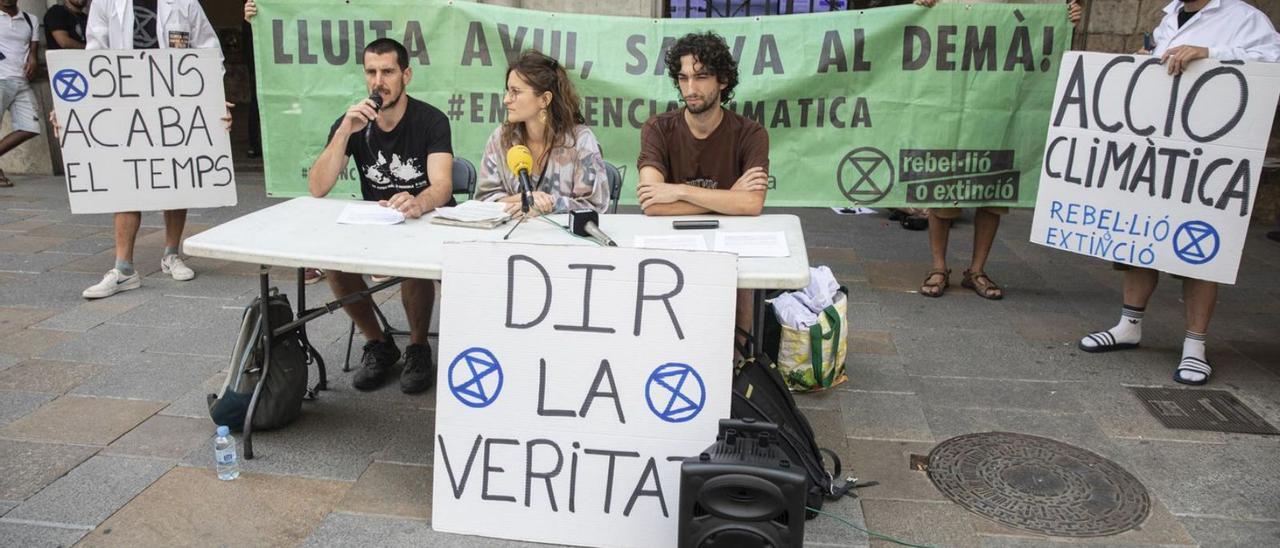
[
  {"x": 949, "y": 213},
  {"x": 17, "y": 98}
]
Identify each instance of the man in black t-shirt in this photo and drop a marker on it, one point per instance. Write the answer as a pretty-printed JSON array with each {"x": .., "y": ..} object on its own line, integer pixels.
[
  {"x": 64, "y": 25},
  {"x": 405, "y": 160}
]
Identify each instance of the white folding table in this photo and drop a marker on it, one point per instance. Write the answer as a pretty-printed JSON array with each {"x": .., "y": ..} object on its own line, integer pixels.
[{"x": 304, "y": 233}]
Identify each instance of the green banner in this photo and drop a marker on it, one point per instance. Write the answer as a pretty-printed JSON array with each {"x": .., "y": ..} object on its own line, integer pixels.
[{"x": 900, "y": 106}]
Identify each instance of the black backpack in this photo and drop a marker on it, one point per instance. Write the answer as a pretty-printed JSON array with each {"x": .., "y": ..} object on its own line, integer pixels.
[
  {"x": 760, "y": 393},
  {"x": 285, "y": 385}
]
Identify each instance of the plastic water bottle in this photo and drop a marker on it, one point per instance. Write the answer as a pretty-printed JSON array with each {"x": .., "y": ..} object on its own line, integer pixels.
[{"x": 224, "y": 454}]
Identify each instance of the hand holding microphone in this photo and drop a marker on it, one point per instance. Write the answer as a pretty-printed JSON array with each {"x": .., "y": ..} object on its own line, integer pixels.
[{"x": 363, "y": 114}]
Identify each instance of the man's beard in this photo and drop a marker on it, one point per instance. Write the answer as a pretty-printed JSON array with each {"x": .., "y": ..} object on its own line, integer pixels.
[{"x": 707, "y": 104}]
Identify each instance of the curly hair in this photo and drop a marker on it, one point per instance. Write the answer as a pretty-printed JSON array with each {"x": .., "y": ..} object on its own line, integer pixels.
[
  {"x": 711, "y": 50},
  {"x": 544, "y": 73}
]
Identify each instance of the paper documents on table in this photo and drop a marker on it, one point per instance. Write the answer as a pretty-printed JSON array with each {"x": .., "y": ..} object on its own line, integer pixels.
[
  {"x": 473, "y": 214},
  {"x": 369, "y": 213},
  {"x": 753, "y": 244},
  {"x": 689, "y": 242}
]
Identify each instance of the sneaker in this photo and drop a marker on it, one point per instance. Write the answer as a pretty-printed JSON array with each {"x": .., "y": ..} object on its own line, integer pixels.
[
  {"x": 172, "y": 264},
  {"x": 419, "y": 372},
  {"x": 378, "y": 359},
  {"x": 312, "y": 275},
  {"x": 114, "y": 282}
]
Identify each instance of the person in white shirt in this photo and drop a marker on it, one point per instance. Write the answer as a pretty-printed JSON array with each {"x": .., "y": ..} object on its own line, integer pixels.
[
  {"x": 1201, "y": 29},
  {"x": 18, "y": 44},
  {"x": 147, "y": 24}
]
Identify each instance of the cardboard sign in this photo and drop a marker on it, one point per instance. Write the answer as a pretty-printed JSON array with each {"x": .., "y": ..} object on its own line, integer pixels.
[
  {"x": 142, "y": 129},
  {"x": 571, "y": 383},
  {"x": 1152, "y": 170}
]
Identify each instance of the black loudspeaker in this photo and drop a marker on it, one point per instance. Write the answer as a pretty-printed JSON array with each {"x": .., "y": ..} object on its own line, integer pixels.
[{"x": 742, "y": 491}]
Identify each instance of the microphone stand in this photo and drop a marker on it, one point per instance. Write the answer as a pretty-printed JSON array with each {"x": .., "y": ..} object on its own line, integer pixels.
[{"x": 525, "y": 198}]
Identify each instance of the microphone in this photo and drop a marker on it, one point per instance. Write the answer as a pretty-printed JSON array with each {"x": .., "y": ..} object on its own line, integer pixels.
[
  {"x": 585, "y": 223},
  {"x": 368, "y": 128},
  {"x": 520, "y": 161}
]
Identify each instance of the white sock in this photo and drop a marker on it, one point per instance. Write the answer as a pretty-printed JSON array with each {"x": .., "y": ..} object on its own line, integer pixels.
[
  {"x": 1127, "y": 331},
  {"x": 1193, "y": 356}
]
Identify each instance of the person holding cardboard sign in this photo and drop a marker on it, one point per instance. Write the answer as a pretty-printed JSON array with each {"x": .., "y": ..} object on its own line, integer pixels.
[
  {"x": 403, "y": 151},
  {"x": 543, "y": 114},
  {"x": 704, "y": 158},
  {"x": 140, "y": 24},
  {"x": 18, "y": 44},
  {"x": 1199, "y": 29}
]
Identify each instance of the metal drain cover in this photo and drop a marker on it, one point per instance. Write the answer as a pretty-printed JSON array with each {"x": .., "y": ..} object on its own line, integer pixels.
[
  {"x": 1201, "y": 409},
  {"x": 1038, "y": 484}
]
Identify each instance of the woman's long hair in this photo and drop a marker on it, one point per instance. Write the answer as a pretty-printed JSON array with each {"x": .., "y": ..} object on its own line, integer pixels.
[{"x": 545, "y": 74}]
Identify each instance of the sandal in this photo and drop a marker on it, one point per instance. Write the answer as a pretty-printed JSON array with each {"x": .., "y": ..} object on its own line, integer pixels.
[
  {"x": 936, "y": 289},
  {"x": 1192, "y": 364},
  {"x": 982, "y": 284},
  {"x": 4, "y": 181}
]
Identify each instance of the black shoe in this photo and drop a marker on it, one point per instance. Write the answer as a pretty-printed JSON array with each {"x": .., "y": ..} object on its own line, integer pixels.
[
  {"x": 376, "y": 363},
  {"x": 419, "y": 372},
  {"x": 253, "y": 153}
]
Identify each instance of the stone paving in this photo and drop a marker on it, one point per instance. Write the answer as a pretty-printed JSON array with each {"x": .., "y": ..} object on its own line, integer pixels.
[{"x": 105, "y": 439}]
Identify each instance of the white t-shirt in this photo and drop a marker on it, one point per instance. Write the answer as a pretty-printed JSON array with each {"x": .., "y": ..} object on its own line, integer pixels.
[
  {"x": 16, "y": 35},
  {"x": 1230, "y": 29}
]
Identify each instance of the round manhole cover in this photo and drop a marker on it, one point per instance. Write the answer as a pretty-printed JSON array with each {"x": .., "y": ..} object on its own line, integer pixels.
[{"x": 1038, "y": 484}]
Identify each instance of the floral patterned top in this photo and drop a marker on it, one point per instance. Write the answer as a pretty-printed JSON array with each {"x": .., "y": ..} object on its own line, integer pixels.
[{"x": 575, "y": 175}]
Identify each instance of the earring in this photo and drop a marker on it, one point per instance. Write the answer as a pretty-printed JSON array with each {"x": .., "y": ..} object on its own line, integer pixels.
[{"x": 542, "y": 116}]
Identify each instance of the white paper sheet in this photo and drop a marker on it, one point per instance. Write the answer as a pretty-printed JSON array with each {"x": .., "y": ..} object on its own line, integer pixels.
[
  {"x": 753, "y": 244},
  {"x": 369, "y": 213},
  {"x": 474, "y": 210},
  {"x": 853, "y": 210},
  {"x": 689, "y": 242}
]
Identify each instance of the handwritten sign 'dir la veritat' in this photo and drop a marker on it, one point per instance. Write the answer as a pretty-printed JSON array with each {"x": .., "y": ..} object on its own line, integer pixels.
[
  {"x": 142, "y": 129},
  {"x": 572, "y": 382}
]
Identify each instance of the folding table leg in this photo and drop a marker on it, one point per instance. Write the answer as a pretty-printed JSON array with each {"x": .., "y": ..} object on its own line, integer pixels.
[{"x": 264, "y": 283}]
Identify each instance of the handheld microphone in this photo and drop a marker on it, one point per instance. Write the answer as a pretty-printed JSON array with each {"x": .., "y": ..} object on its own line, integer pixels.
[
  {"x": 520, "y": 161},
  {"x": 377, "y": 106},
  {"x": 586, "y": 223}
]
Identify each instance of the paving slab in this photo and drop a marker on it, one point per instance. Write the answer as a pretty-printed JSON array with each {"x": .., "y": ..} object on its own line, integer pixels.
[
  {"x": 171, "y": 312},
  {"x": 932, "y": 523},
  {"x": 13, "y": 319},
  {"x": 91, "y": 492},
  {"x": 68, "y": 230},
  {"x": 965, "y": 393},
  {"x": 889, "y": 463},
  {"x": 342, "y": 529},
  {"x": 1237, "y": 480},
  {"x": 1076, "y": 429},
  {"x": 214, "y": 337},
  {"x": 885, "y": 416},
  {"x": 31, "y": 342},
  {"x": 865, "y": 341},
  {"x": 193, "y": 403},
  {"x": 151, "y": 376},
  {"x": 57, "y": 290},
  {"x": 827, "y": 530},
  {"x": 81, "y": 420},
  {"x": 49, "y": 377},
  {"x": 255, "y": 509},
  {"x": 1159, "y": 529},
  {"x": 27, "y": 467},
  {"x": 28, "y": 244},
  {"x": 346, "y": 432},
  {"x": 24, "y": 534},
  {"x": 33, "y": 263},
  {"x": 873, "y": 373},
  {"x": 90, "y": 314},
  {"x": 164, "y": 437},
  {"x": 108, "y": 344},
  {"x": 15, "y": 405},
  {"x": 391, "y": 490},
  {"x": 1227, "y": 532}
]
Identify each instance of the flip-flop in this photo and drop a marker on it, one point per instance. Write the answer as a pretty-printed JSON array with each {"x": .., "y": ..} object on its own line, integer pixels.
[
  {"x": 1192, "y": 364},
  {"x": 1104, "y": 341}
]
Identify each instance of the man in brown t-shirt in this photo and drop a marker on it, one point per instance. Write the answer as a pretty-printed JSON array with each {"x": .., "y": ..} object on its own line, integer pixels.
[{"x": 704, "y": 158}]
